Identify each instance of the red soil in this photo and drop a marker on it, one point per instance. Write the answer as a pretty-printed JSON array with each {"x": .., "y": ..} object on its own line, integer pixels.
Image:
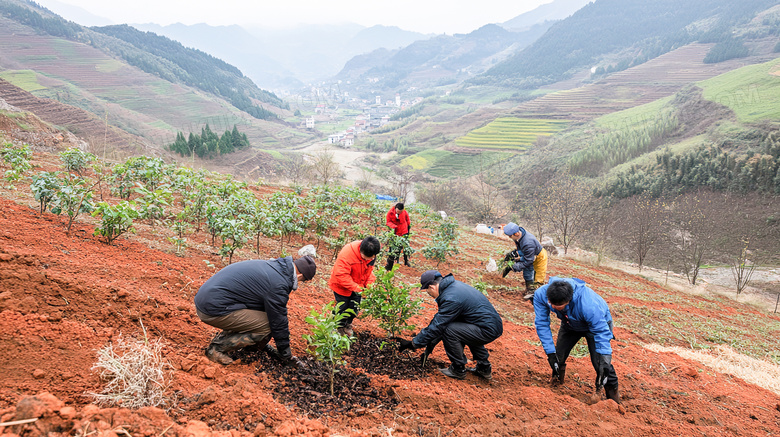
[{"x": 62, "y": 297}]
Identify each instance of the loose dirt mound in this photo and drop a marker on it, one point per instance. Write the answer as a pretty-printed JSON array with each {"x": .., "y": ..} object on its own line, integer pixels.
[{"x": 62, "y": 297}]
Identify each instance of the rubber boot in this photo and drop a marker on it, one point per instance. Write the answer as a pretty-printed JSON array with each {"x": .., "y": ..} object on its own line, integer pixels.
[
  {"x": 529, "y": 290},
  {"x": 456, "y": 372},
  {"x": 612, "y": 393},
  {"x": 406, "y": 261},
  {"x": 561, "y": 373},
  {"x": 215, "y": 350},
  {"x": 390, "y": 262},
  {"x": 506, "y": 271},
  {"x": 483, "y": 370}
]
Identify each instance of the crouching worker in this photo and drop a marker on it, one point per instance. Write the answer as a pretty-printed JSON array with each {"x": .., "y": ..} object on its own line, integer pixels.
[
  {"x": 248, "y": 301},
  {"x": 583, "y": 313},
  {"x": 465, "y": 318}
]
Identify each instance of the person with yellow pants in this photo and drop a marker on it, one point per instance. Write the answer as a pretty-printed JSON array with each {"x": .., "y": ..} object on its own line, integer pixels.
[{"x": 529, "y": 257}]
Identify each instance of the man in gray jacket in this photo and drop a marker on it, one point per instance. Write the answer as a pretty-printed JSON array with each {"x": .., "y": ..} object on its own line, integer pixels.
[{"x": 248, "y": 301}]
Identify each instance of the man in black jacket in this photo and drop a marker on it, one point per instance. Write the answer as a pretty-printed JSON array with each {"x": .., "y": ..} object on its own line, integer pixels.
[
  {"x": 248, "y": 301},
  {"x": 465, "y": 318}
]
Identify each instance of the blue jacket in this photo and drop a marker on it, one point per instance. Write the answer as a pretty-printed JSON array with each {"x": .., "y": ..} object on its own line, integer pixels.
[
  {"x": 261, "y": 285},
  {"x": 459, "y": 302},
  {"x": 587, "y": 312},
  {"x": 527, "y": 247}
]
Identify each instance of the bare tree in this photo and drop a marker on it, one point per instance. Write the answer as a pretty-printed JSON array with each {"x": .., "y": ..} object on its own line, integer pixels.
[
  {"x": 325, "y": 169},
  {"x": 749, "y": 234},
  {"x": 403, "y": 181},
  {"x": 441, "y": 195},
  {"x": 487, "y": 203},
  {"x": 295, "y": 168},
  {"x": 568, "y": 205},
  {"x": 692, "y": 228},
  {"x": 642, "y": 221}
]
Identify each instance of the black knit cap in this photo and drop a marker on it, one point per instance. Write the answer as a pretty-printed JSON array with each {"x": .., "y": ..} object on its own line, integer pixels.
[{"x": 306, "y": 267}]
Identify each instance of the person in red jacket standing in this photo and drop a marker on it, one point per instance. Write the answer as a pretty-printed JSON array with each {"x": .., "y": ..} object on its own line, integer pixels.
[
  {"x": 352, "y": 272},
  {"x": 398, "y": 220}
]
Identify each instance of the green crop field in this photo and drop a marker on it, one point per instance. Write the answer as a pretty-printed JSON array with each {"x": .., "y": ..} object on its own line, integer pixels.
[
  {"x": 752, "y": 92},
  {"x": 447, "y": 164},
  {"x": 510, "y": 133},
  {"x": 24, "y": 79},
  {"x": 633, "y": 117}
]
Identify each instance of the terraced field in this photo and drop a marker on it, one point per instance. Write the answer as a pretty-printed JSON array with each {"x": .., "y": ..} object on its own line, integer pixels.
[
  {"x": 658, "y": 78},
  {"x": 510, "y": 133}
]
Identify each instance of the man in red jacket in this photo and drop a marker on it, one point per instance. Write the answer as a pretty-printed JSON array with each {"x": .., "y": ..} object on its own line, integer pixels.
[
  {"x": 398, "y": 220},
  {"x": 352, "y": 272}
]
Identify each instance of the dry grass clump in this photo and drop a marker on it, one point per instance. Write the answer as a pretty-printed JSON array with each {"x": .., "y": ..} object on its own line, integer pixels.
[
  {"x": 135, "y": 372},
  {"x": 725, "y": 360}
]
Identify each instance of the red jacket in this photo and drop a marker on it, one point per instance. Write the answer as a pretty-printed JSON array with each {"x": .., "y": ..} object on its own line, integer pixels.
[
  {"x": 351, "y": 273},
  {"x": 400, "y": 222}
]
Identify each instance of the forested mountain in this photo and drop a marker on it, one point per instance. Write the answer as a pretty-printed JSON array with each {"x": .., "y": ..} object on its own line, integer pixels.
[
  {"x": 608, "y": 26},
  {"x": 154, "y": 54}
]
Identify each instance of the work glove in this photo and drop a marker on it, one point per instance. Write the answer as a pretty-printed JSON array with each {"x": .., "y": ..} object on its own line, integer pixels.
[
  {"x": 554, "y": 365},
  {"x": 604, "y": 364},
  {"x": 405, "y": 344},
  {"x": 285, "y": 353}
]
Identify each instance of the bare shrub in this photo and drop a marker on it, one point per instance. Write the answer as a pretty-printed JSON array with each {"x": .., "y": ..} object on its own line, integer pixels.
[{"x": 135, "y": 372}]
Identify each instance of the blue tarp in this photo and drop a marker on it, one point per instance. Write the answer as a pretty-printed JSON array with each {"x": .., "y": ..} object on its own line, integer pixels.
[{"x": 385, "y": 197}]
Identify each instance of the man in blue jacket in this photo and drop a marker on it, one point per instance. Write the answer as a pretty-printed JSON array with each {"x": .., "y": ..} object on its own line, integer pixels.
[
  {"x": 465, "y": 318},
  {"x": 583, "y": 313},
  {"x": 248, "y": 301},
  {"x": 529, "y": 257}
]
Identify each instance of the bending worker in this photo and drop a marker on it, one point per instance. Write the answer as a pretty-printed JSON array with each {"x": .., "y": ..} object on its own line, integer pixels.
[
  {"x": 248, "y": 301},
  {"x": 529, "y": 257},
  {"x": 352, "y": 272},
  {"x": 583, "y": 313}
]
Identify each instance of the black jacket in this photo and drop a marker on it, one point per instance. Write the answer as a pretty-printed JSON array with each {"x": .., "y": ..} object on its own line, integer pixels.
[
  {"x": 460, "y": 302},
  {"x": 262, "y": 285}
]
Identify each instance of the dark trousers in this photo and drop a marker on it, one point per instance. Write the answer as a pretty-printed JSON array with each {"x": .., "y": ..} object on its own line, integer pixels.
[
  {"x": 351, "y": 302},
  {"x": 395, "y": 253},
  {"x": 457, "y": 335},
  {"x": 568, "y": 337}
]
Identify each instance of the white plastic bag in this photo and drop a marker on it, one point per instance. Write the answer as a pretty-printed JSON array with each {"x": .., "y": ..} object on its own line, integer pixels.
[
  {"x": 309, "y": 250},
  {"x": 492, "y": 266}
]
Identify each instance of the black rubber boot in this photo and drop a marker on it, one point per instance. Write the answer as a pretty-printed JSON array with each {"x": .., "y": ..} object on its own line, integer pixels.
[
  {"x": 612, "y": 393},
  {"x": 454, "y": 372},
  {"x": 506, "y": 271},
  {"x": 215, "y": 350},
  {"x": 390, "y": 262},
  {"x": 406, "y": 261},
  {"x": 484, "y": 371}
]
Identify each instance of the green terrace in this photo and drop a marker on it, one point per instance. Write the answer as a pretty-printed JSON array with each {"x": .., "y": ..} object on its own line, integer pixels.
[{"x": 510, "y": 133}]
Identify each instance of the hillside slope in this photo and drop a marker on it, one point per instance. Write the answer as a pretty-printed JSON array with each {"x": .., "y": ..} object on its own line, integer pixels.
[
  {"x": 141, "y": 104},
  {"x": 62, "y": 297}
]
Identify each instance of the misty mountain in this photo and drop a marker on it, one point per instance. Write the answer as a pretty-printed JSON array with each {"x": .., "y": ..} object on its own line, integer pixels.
[
  {"x": 232, "y": 44},
  {"x": 436, "y": 61},
  {"x": 554, "y": 11},
  {"x": 287, "y": 58},
  {"x": 76, "y": 14}
]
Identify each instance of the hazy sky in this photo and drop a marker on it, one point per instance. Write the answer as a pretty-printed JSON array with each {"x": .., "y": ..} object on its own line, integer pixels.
[{"x": 427, "y": 16}]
